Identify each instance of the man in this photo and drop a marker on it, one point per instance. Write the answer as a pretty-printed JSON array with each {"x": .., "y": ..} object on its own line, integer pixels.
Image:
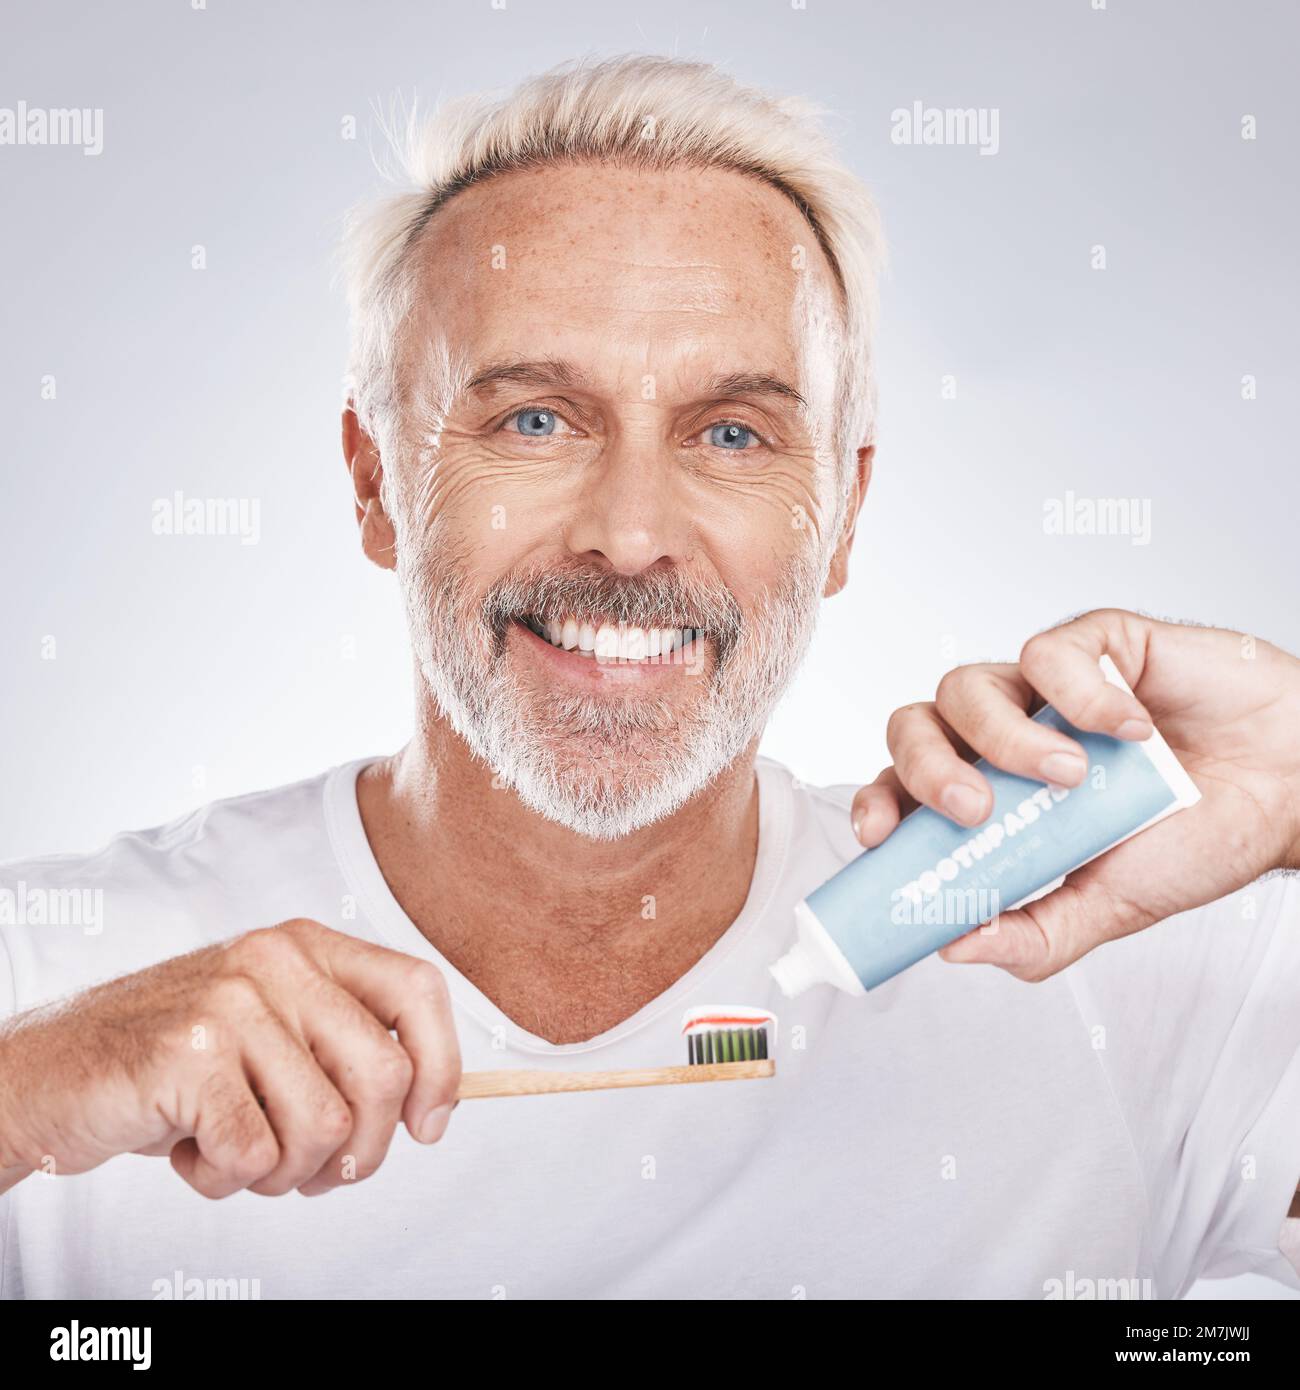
[{"x": 611, "y": 425}]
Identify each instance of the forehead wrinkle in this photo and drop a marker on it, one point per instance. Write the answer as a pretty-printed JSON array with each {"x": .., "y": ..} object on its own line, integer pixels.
[
  {"x": 642, "y": 289},
  {"x": 630, "y": 261}
]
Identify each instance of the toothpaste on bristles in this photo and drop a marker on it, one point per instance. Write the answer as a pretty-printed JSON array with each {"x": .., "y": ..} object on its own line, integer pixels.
[{"x": 728, "y": 1033}]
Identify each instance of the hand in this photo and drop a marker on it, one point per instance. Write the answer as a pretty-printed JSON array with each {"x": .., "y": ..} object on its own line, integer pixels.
[
  {"x": 1228, "y": 705},
  {"x": 265, "y": 1062}
]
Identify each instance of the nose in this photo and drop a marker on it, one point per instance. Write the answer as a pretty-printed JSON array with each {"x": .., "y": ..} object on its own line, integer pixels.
[{"x": 632, "y": 516}]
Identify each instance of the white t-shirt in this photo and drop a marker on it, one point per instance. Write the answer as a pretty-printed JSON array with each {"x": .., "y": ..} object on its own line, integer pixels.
[{"x": 956, "y": 1133}]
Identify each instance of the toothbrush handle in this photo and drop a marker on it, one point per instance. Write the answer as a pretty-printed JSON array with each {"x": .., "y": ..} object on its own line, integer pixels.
[{"x": 478, "y": 1084}]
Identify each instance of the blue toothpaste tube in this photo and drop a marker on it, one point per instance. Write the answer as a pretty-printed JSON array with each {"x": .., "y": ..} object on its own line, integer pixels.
[{"x": 933, "y": 881}]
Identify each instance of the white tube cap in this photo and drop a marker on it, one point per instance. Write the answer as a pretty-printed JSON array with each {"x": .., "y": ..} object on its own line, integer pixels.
[
  {"x": 814, "y": 959},
  {"x": 796, "y": 971}
]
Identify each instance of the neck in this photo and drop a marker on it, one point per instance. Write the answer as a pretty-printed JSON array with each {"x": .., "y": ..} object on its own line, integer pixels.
[{"x": 568, "y": 936}]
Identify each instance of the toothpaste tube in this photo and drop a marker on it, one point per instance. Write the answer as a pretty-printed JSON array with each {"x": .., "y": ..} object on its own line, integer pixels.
[{"x": 932, "y": 881}]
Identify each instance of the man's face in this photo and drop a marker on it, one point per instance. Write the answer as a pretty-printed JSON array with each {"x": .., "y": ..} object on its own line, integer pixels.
[{"x": 614, "y": 490}]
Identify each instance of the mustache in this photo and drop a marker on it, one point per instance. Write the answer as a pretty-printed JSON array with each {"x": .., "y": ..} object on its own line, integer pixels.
[{"x": 657, "y": 598}]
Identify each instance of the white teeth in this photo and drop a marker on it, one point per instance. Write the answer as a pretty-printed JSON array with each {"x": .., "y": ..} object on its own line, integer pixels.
[{"x": 612, "y": 641}]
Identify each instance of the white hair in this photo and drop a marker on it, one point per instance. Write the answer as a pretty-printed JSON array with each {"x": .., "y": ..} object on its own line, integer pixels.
[{"x": 646, "y": 112}]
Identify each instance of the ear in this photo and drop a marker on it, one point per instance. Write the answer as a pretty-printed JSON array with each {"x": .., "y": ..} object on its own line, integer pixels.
[
  {"x": 367, "y": 473},
  {"x": 838, "y": 576}
]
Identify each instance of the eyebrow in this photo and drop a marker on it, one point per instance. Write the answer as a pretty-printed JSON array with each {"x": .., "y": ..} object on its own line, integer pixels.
[
  {"x": 546, "y": 371},
  {"x": 552, "y": 371},
  {"x": 754, "y": 384}
]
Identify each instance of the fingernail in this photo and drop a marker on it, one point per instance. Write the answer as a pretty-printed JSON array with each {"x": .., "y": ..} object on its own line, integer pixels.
[
  {"x": 963, "y": 803},
  {"x": 434, "y": 1123},
  {"x": 859, "y": 820},
  {"x": 1064, "y": 769},
  {"x": 1134, "y": 729}
]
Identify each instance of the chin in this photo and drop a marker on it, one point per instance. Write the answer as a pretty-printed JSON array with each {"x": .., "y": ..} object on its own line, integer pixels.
[{"x": 600, "y": 801}]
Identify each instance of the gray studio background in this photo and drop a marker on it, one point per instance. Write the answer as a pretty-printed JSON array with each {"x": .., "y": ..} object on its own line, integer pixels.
[{"x": 186, "y": 668}]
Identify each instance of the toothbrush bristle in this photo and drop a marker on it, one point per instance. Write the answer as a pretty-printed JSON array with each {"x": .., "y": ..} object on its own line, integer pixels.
[{"x": 728, "y": 1034}]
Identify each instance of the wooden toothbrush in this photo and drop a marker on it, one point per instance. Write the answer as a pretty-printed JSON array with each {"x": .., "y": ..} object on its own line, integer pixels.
[{"x": 724, "y": 1043}]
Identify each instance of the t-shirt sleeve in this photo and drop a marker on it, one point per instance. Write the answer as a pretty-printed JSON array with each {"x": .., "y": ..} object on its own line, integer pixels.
[{"x": 1196, "y": 1024}]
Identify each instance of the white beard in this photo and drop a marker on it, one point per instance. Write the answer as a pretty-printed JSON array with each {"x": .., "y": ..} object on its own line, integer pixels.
[{"x": 603, "y": 765}]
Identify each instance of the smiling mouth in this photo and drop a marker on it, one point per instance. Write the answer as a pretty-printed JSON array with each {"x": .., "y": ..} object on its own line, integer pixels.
[{"x": 602, "y": 640}]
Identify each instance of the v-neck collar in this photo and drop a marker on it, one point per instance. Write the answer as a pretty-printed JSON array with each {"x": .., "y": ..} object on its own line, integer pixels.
[{"x": 364, "y": 878}]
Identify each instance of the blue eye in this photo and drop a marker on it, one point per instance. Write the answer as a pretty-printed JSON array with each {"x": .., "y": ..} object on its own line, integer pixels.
[
  {"x": 730, "y": 436},
  {"x": 534, "y": 423}
]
